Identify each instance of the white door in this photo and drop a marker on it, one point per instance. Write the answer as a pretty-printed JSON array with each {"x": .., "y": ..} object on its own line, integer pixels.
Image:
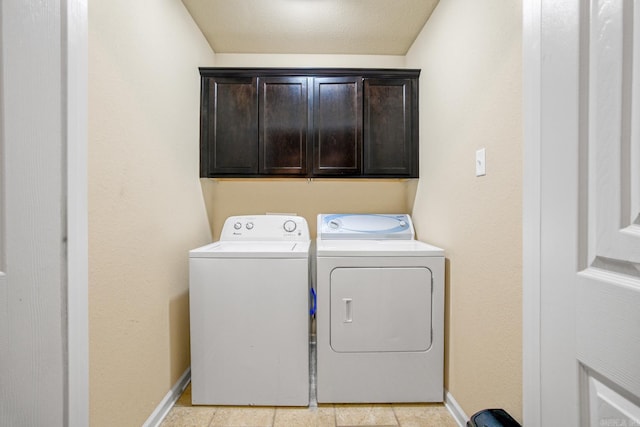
[
  {"x": 588, "y": 130},
  {"x": 43, "y": 304}
]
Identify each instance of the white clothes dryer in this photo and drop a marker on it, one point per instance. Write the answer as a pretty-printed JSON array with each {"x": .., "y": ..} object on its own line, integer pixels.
[
  {"x": 249, "y": 309},
  {"x": 380, "y": 311}
]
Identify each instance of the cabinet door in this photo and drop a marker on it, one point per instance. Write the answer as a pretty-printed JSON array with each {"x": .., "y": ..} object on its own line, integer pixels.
[
  {"x": 389, "y": 147},
  {"x": 283, "y": 124},
  {"x": 337, "y": 121},
  {"x": 229, "y": 126}
]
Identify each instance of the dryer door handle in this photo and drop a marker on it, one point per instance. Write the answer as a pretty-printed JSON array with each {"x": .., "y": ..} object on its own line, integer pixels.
[{"x": 348, "y": 310}]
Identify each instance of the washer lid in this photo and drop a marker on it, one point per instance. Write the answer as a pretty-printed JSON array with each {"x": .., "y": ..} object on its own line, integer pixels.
[
  {"x": 233, "y": 249},
  {"x": 376, "y": 248},
  {"x": 365, "y": 226}
]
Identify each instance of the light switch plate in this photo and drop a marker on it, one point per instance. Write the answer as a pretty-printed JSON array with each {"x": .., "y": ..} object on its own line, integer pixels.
[{"x": 481, "y": 162}]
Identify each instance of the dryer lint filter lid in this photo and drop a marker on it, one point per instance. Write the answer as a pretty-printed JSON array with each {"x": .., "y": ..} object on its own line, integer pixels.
[{"x": 365, "y": 227}]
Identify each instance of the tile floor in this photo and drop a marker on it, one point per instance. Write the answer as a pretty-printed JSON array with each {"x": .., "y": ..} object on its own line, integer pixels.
[{"x": 401, "y": 415}]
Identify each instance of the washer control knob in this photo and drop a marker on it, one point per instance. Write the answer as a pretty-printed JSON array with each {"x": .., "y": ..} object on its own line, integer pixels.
[
  {"x": 249, "y": 226},
  {"x": 334, "y": 224},
  {"x": 289, "y": 226},
  {"x": 237, "y": 226},
  {"x": 402, "y": 223}
]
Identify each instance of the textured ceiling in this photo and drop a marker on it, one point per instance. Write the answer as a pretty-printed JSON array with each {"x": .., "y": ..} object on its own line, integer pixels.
[{"x": 373, "y": 27}]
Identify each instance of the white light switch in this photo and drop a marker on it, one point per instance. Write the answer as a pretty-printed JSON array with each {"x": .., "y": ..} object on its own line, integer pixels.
[{"x": 481, "y": 164}]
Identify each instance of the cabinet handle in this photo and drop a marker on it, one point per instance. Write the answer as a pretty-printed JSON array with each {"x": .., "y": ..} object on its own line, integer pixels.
[{"x": 347, "y": 310}]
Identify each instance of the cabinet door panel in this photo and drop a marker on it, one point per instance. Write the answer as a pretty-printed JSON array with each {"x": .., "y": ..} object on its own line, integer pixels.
[
  {"x": 388, "y": 139},
  {"x": 229, "y": 117},
  {"x": 337, "y": 126},
  {"x": 283, "y": 125}
]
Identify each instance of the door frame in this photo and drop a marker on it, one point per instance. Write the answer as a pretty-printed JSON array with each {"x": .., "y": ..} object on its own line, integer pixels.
[
  {"x": 552, "y": 79},
  {"x": 75, "y": 45},
  {"x": 531, "y": 212}
]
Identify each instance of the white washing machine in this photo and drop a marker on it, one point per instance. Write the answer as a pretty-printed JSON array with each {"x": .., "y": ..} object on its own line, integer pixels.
[
  {"x": 249, "y": 308},
  {"x": 380, "y": 311}
]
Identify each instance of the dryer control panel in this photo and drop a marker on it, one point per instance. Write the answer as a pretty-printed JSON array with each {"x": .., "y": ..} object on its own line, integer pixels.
[
  {"x": 265, "y": 228},
  {"x": 365, "y": 227}
]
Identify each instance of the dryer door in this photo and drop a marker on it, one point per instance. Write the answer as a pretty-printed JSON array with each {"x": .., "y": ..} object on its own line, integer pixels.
[{"x": 383, "y": 309}]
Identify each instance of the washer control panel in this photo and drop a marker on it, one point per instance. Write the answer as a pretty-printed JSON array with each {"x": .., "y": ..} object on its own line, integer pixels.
[{"x": 265, "y": 228}]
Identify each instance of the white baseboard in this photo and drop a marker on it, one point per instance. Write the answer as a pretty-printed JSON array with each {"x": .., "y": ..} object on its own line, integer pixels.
[
  {"x": 455, "y": 409},
  {"x": 169, "y": 400}
]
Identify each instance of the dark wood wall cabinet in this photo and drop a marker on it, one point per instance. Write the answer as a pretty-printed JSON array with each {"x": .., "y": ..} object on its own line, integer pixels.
[{"x": 309, "y": 122}]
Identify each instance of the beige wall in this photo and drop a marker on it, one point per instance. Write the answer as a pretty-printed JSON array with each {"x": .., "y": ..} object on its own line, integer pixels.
[
  {"x": 470, "y": 97},
  {"x": 306, "y": 198},
  {"x": 145, "y": 201},
  {"x": 301, "y": 60}
]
